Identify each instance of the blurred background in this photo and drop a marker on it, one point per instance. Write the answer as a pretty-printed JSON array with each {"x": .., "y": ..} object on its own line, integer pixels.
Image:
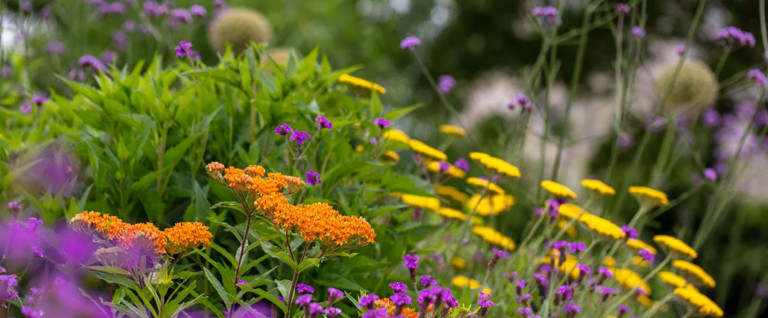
[{"x": 487, "y": 46}]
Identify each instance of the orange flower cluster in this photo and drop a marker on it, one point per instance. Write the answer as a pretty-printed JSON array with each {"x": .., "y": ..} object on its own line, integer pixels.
[
  {"x": 174, "y": 240},
  {"x": 316, "y": 222},
  {"x": 390, "y": 306},
  {"x": 252, "y": 179}
]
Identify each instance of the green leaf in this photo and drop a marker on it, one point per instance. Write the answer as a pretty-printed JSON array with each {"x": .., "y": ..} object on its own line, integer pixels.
[
  {"x": 218, "y": 287},
  {"x": 308, "y": 263},
  {"x": 395, "y": 114},
  {"x": 276, "y": 252}
]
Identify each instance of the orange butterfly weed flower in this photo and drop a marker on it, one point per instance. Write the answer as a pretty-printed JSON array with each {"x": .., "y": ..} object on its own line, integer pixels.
[
  {"x": 135, "y": 234},
  {"x": 111, "y": 227},
  {"x": 187, "y": 235},
  {"x": 391, "y": 308}
]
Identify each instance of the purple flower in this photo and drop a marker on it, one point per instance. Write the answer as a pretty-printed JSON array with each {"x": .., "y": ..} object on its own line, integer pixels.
[
  {"x": 153, "y": 9},
  {"x": 411, "y": 261},
  {"x": 323, "y": 122},
  {"x": 34, "y": 223},
  {"x": 183, "y": 49},
  {"x": 647, "y": 255},
  {"x": 304, "y": 289},
  {"x": 304, "y": 300},
  {"x": 120, "y": 39},
  {"x": 445, "y": 84},
  {"x": 313, "y": 178},
  {"x": 299, "y": 137},
  {"x": 375, "y": 313},
  {"x": 621, "y": 8},
  {"x": 410, "y": 43},
  {"x": 111, "y": 8},
  {"x": 367, "y": 301},
  {"x": 108, "y": 57},
  {"x": 732, "y": 35},
  {"x": 241, "y": 282},
  {"x": 757, "y": 76},
  {"x": 129, "y": 26},
  {"x": 90, "y": 61},
  {"x": 629, "y": 231},
  {"x": 25, "y": 108},
  {"x": 540, "y": 278},
  {"x": 426, "y": 297},
  {"x": 548, "y": 15},
  {"x": 577, "y": 247},
  {"x": 525, "y": 311},
  {"x": 334, "y": 294},
  {"x": 55, "y": 48},
  {"x": 710, "y": 174},
  {"x": 427, "y": 281},
  {"x": 315, "y": 309},
  {"x": 6, "y": 71},
  {"x": 284, "y": 129},
  {"x": 14, "y": 206},
  {"x": 443, "y": 166},
  {"x": 400, "y": 299},
  {"x": 583, "y": 269},
  {"x": 332, "y": 312},
  {"x": 38, "y": 252},
  {"x": 398, "y": 287},
  {"x": 623, "y": 309},
  {"x": 500, "y": 254},
  {"x": 680, "y": 49},
  {"x": 462, "y": 164},
  {"x": 565, "y": 292},
  {"x": 571, "y": 309},
  {"x": 483, "y": 300},
  {"x": 521, "y": 100},
  {"x": 604, "y": 272},
  {"x": 197, "y": 11},
  {"x": 180, "y": 16},
  {"x": 711, "y": 118},
  {"x": 638, "y": 32},
  {"x": 382, "y": 122}
]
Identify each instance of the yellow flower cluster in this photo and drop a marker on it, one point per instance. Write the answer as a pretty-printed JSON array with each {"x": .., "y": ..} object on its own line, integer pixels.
[
  {"x": 675, "y": 245},
  {"x": 459, "y": 262},
  {"x": 456, "y": 214},
  {"x": 421, "y": 202},
  {"x": 572, "y": 211},
  {"x": 175, "y": 240},
  {"x": 396, "y": 135},
  {"x": 693, "y": 270},
  {"x": 640, "y": 245},
  {"x": 451, "y": 193},
  {"x": 360, "y": 83},
  {"x": 673, "y": 279},
  {"x": 390, "y": 156},
  {"x": 482, "y": 184},
  {"x": 602, "y": 226},
  {"x": 702, "y": 303},
  {"x": 496, "y": 164},
  {"x": 453, "y": 130},
  {"x": 490, "y": 204},
  {"x": 464, "y": 281},
  {"x": 630, "y": 279},
  {"x": 649, "y": 196},
  {"x": 558, "y": 190},
  {"x": 426, "y": 150},
  {"x": 494, "y": 237},
  {"x": 453, "y": 172},
  {"x": 598, "y": 186}
]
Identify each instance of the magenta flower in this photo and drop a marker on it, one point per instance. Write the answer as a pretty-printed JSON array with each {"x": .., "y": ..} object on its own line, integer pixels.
[
  {"x": 332, "y": 312},
  {"x": 410, "y": 43},
  {"x": 375, "y": 313},
  {"x": 333, "y": 295},
  {"x": 398, "y": 287},
  {"x": 647, "y": 255},
  {"x": 483, "y": 300},
  {"x": 571, "y": 309},
  {"x": 400, "y": 299},
  {"x": 577, "y": 247},
  {"x": 304, "y": 289},
  {"x": 90, "y": 61},
  {"x": 711, "y": 118},
  {"x": 313, "y": 178},
  {"x": 284, "y": 129},
  {"x": 197, "y": 11},
  {"x": 565, "y": 291},
  {"x": 462, "y": 164},
  {"x": 638, "y": 32},
  {"x": 521, "y": 100},
  {"x": 15, "y": 206},
  {"x": 180, "y": 16},
  {"x": 25, "y": 108},
  {"x": 622, "y": 8},
  {"x": 734, "y": 36},
  {"x": 623, "y": 309},
  {"x": 55, "y": 48},
  {"x": 315, "y": 309},
  {"x": 241, "y": 282},
  {"x": 183, "y": 49},
  {"x": 323, "y": 122},
  {"x": 304, "y": 300},
  {"x": 680, "y": 49},
  {"x": 34, "y": 223},
  {"x": 299, "y": 137},
  {"x": 367, "y": 301},
  {"x": 411, "y": 261},
  {"x": 757, "y": 76},
  {"x": 445, "y": 84},
  {"x": 629, "y": 231},
  {"x": 710, "y": 174},
  {"x": 427, "y": 281},
  {"x": 548, "y": 15},
  {"x": 584, "y": 269},
  {"x": 382, "y": 122}
]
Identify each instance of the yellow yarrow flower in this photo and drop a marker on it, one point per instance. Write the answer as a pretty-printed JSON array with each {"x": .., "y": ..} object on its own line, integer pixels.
[
  {"x": 459, "y": 262},
  {"x": 649, "y": 196},
  {"x": 702, "y": 303},
  {"x": 695, "y": 271},
  {"x": 422, "y": 202},
  {"x": 598, "y": 186},
  {"x": 571, "y": 211},
  {"x": 673, "y": 279},
  {"x": 453, "y": 172},
  {"x": 356, "y": 82},
  {"x": 490, "y": 204},
  {"x": 396, "y": 135},
  {"x": 464, "y": 281},
  {"x": 427, "y": 151},
  {"x": 675, "y": 245},
  {"x": 496, "y": 164},
  {"x": 456, "y": 214},
  {"x": 451, "y": 193},
  {"x": 482, "y": 184},
  {"x": 453, "y": 130},
  {"x": 640, "y": 245},
  {"x": 609, "y": 261},
  {"x": 630, "y": 279},
  {"x": 602, "y": 226},
  {"x": 639, "y": 261},
  {"x": 645, "y": 301},
  {"x": 390, "y": 156},
  {"x": 494, "y": 237},
  {"x": 558, "y": 189}
]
